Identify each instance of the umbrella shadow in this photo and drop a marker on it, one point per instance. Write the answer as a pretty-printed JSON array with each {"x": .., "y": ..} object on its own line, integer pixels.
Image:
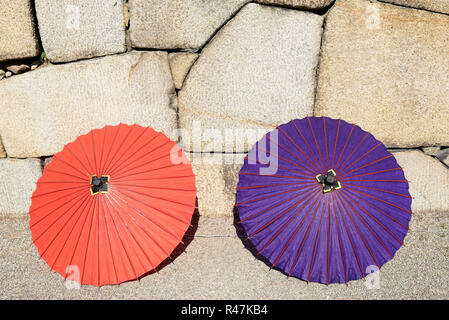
[
  {"x": 181, "y": 247},
  {"x": 241, "y": 233}
]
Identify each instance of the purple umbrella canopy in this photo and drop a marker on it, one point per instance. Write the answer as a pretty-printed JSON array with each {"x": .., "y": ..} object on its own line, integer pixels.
[{"x": 323, "y": 201}]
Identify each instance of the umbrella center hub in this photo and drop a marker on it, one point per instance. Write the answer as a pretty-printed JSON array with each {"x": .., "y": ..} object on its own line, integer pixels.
[
  {"x": 99, "y": 184},
  {"x": 328, "y": 181}
]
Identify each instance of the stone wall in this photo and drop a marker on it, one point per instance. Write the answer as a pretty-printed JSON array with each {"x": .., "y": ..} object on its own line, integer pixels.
[{"x": 226, "y": 68}]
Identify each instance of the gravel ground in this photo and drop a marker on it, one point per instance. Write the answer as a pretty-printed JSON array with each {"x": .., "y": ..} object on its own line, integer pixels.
[{"x": 216, "y": 265}]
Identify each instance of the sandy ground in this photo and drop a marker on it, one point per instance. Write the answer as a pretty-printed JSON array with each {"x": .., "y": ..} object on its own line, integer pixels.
[{"x": 216, "y": 265}]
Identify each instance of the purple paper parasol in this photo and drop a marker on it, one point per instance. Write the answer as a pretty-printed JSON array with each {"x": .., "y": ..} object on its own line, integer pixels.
[{"x": 323, "y": 200}]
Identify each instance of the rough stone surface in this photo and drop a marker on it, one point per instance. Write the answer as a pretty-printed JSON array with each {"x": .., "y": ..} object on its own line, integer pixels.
[
  {"x": 180, "y": 64},
  {"x": 431, "y": 151},
  {"x": 299, "y": 4},
  {"x": 178, "y": 24},
  {"x": 432, "y": 5},
  {"x": 443, "y": 156},
  {"x": 17, "y": 182},
  {"x": 60, "y": 102},
  {"x": 216, "y": 178},
  {"x": 77, "y": 29},
  {"x": 18, "y": 68},
  {"x": 385, "y": 68},
  {"x": 47, "y": 161},
  {"x": 258, "y": 71},
  {"x": 36, "y": 63},
  {"x": 2, "y": 150},
  {"x": 17, "y": 30},
  {"x": 215, "y": 265},
  {"x": 429, "y": 180}
]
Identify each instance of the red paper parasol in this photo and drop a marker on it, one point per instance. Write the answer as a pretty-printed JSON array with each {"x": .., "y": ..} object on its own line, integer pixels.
[{"x": 112, "y": 205}]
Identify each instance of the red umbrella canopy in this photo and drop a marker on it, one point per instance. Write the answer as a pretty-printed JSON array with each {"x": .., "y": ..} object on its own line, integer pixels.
[{"x": 112, "y": 205}]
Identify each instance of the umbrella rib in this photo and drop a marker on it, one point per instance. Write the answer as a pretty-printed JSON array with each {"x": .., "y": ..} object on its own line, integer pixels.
[
  {"x": 126, "y": 175},
  {"x": 60, "y": 230},
  {"x": 79, "y": 236},
  {"x": 77, "y": 158},
  {"x": 313, "y": 153},
  {"x": 283, "y": 168},
  {"x": 373, "y": 180},
  {"x": 289, "y": 221},
  {"x": 88, "y": 240},
  {"x": 274, "y": 219},
  {"x": 325, "y": 141},
  {"x": 49, "y": 213},
  {"x": 358, "y": 159},
  {"x": 94, "y": 153},
  {"x": 277, "y": 217},
  {"x": 98, "y": 242},
  {"x": 268, "y": 185},
  {"x": 381, "y": 211},
  {"x": 279, "y": 157},
  {"x": 140, "y": 149},
  {"x": 339, "y": 237},
  {"x": 349, "y": 237},
  {"x": 274, "y": 175},
  {"x": 152, "y": 161},
  {"x": 314, "y": 248},
  {"x": 366, "y": 165},
  {"x": 143, "y": 229},
  {"x": 370, "y": 173},
  {"x": 328, "y": 239},
  {"x": 83, "y": 149},
  {"x": 57, "y": 157},
  {"x": 297, "y": 147},
  {"x": 110, "y": 198},
  {"x": 309, "y": 170},
  {"x": 384, "y": 201},
  {"x": 316, "y": 142},
  {"x": 66, "y": 174},
  {"x": 352, "y": 152},
  {"x": 150, "y": 187},
  {"x": 121, "y": 156},
  {"x": 385, "y": 228},
  {"x": 160, "y": 178},
  {"x": 119, "y": 148},
  {"x": 120, "y": 238},
  {"x": 102, "y": 151},
  {"x": 68, "y": 236},
  {"x": 111, "y": 145},
  {"x": 71, "y": 182},
  {"x": 48, "y": 203},
  {"x": 344, "y": 146},
  {"x": 109, "y": 238},
  {"x": 147, "y": 205},
  {"x": 292, "y": 236},
  {"x": 355, "y": 225},
  {"x": 148, "y": 162},
  {"x": 149, "y": 219},
  {"x": 154, "y": 197},
  {"x": 305, "y": 238},
  {"x": 380, "y": 190},
  {"x": 336, "y": 139},
  {"x": 344, "y": 197},
  {"x": 269, "y": 208},
  {"x": 269, "y": 196},
  {"x": 55, "y": 191}
]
